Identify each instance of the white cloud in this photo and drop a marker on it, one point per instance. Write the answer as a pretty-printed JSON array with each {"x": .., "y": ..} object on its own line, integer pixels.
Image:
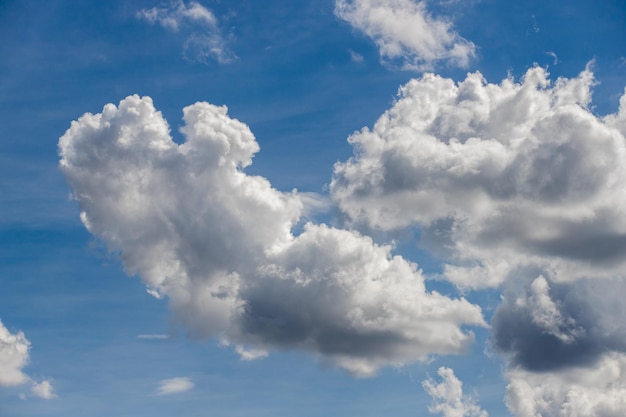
[
  {"x": 13, "y": 357},
  {"x": 448, "y": 398},
  {"x": 174, "y": 386},
  {"x": 205, "y": 40},
  {"x": 497, "y": 177},
  {"x": 406, "y": 33},
  {"x": 217, "y": 242},
  {"x": 43, "y": 389},
  {"x": 595, "y": 391}
]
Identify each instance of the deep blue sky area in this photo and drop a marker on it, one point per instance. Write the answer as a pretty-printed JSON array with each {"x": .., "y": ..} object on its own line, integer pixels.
[{"x": 303, "y": 79}]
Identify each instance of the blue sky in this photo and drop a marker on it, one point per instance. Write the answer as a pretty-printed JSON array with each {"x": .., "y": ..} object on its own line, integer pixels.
[{"x": 409, "y": 208}]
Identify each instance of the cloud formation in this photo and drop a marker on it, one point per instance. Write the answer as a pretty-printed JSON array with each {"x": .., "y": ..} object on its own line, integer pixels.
[
  {"x": 406, "y": 34},
  {"x": 174, "y": 386},
  {"x": 218, "y": 243},
  {"x": 204, "y": 37},
  {"x": 595, "y": 391},
  {"x": 43, "y": 390},
  {"x": 498, "y": 178},
  {"x": 448, "y": 398},
  {"x": 14, "y": 356},
  {"x": 551, "y": 326}
]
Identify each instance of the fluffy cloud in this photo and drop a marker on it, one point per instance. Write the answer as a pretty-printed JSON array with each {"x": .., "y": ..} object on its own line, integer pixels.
[
  {"x": 499, "y": 178},
  {"x": 405, "y": 32},
  {"x": 217, "y": 242},
  {"x": 43, "y": 389},
  {"x": 448, "y": 398},
  {"x": 13, "y": 357},
  {"x": 204, "y": 41},
  {"x": 596, "y": 391},
  {"x": 174, "y": 386}
]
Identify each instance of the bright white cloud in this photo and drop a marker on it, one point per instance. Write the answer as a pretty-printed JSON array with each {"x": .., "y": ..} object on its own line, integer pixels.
[
  {"x": 218, "y": 243},
  {"x": 596, "y": 391},
  {"x": 205, "y": 40},
  {"x": 174, "y": 386},
  {"x": 448, "y": 398},
  {"x": 497, "y": 177},
  {"x": 406, "y": 33},
  {"x": 43, "y": 389},
  {"x": 13, "y": 357}
]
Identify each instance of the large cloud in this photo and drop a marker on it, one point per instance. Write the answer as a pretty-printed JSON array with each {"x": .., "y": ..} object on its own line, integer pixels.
[
  {"x": 497, "y": 177},
  {"x": 405, "y": 32},
  {"x": 218, "y": 243}
]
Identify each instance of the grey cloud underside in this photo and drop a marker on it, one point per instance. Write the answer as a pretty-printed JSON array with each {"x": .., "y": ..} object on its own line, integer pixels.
[
  {"x": 217, "y": 242},
  {"x": 595, "y": 326}
]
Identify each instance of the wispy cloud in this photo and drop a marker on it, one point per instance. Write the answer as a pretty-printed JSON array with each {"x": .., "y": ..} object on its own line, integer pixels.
[
  {"x": 174, "y": 386},
  {"x": 153, "y": 336},
  {"x": 406, "y": 34},
  {"x": 204, "y": 39}
]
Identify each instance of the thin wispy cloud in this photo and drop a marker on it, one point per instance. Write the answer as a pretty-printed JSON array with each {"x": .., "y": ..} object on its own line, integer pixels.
[
  {"x": 174, "y": 386},
  {"x": 204, "y": 38}
]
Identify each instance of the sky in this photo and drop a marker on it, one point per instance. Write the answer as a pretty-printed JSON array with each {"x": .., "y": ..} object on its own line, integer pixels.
[{"x": 313, "y": 208}]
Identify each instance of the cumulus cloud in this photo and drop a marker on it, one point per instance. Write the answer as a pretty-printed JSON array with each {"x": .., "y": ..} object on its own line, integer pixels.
[
  {"x": 174, "y": 386},
  {"x": 499, "y": 178},
  {"x": 43, "y": 389},
  {"x": 406, "y": 34},
  {"x": 448, "y": 398},
  {"x": 596, "y": 391},
  {"x": 516, "y": 184},
  {"x": 13, "y": 357},
  {"x": 218, "y": 243},
  {"x": 204, "y": 37}
]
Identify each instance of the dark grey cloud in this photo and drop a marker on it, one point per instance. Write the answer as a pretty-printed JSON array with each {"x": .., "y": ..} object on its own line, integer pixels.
[{"x": 547, "y": 327}]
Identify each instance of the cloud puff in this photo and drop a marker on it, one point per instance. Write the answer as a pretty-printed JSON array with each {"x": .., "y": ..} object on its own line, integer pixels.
[
  {"x": 43, "y": 389},
  {"x": 497, "y": 177},
  {"x": 597, "y": 391},
  {"x": 405, "y": 33},
  {"x": 218, "y": 243},
  {"x": 204, "y": 41},
  {"x": 174, "y": 386},
  {"x": 448, "y": 398},
  {"x": 13, "y": 357}
]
